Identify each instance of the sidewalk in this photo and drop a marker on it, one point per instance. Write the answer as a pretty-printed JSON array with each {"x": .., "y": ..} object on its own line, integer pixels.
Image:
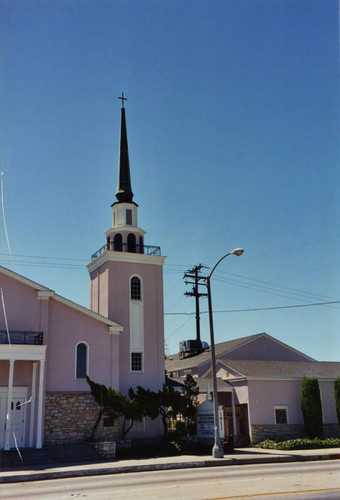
[{"x": 240, "y": 456}]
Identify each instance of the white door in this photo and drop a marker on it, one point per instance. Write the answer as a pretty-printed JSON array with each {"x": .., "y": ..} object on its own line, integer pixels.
[{"x": 18, "y": 416}]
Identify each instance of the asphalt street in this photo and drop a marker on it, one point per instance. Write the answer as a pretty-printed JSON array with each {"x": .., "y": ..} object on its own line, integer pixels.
[{"x": 309, "y": 480}]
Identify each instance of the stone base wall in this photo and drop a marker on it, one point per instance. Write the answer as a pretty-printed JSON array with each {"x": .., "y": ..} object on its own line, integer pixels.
[
  {"x": 281, "y": 432},
  {"x": 331, "y": 431},
  {"x": 291, "y": 431},
  {"x": 70, "y": 416}
]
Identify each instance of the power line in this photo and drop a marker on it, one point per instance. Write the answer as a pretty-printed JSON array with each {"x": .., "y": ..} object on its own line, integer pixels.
[
  {"x": 50, "y": 265},
  {"x": 272, "y": 284},
  {"x": 45, "y": 257},
  {"x": 179, "y": 328},
  {"x": 267, "y": 290},
  {"x": 258, "y": 308}
]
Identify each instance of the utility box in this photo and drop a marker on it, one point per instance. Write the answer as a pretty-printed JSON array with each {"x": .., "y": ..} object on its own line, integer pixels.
[{"x": 191, "y": 347}]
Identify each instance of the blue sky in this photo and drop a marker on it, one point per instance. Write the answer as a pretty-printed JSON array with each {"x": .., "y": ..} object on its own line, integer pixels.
[{"x": 233, "y": 129}]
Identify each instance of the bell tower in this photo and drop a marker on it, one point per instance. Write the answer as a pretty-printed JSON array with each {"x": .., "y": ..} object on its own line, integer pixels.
[{"x": 126, "y": 284}]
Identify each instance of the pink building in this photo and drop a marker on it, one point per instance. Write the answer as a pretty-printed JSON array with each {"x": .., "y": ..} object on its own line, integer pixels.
[
  {"x": 259, "y": 386},
  {"x": 49, "y": 344}
]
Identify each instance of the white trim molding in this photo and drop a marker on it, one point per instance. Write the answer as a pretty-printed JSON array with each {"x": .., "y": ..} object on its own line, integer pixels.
[
  {"x": 281, "y": 407},
  {"x": 135, "y": 258},
  {"x": 44, "y": 294}
]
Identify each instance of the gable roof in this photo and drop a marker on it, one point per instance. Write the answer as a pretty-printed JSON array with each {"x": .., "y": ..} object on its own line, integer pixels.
[
  {"x": 204, "y": 384},
  {"x": 22, "y": 279},
  {"x": 174, "y": 363},
  {"x": 43, "y": 291},
  {"x": 267, "y": 369}
]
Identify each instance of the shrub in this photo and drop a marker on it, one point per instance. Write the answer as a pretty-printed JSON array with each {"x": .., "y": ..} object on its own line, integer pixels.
[
  {"x": 311, "y": 407},
  {"x": 299, "y": 444}
]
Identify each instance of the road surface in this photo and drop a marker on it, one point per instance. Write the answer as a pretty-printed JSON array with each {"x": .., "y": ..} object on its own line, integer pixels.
[{"x": 307, "y": 480}]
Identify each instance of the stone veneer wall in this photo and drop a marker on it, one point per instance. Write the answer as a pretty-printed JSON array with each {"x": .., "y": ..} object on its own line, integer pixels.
[
  {"x": 288, "y": 431},
  {"x": 276, "y": 431},
  {"x": 70, "y": 416},
  {"x": 331, "y": 430}
]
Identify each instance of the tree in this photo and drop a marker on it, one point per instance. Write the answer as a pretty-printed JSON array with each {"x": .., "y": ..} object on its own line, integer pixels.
[
  {"x": 170, "y": 403},
  {"x": 115, "y": 404},
  {"x": 337, "y": 397},
  {"x": 166, "y": 402},
  {"x": 190, "y": 393},
  {"x": 311, "y": 407}
]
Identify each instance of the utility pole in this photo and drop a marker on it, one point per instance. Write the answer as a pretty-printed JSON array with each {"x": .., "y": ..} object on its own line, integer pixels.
[{"x": 194, "y": 275}]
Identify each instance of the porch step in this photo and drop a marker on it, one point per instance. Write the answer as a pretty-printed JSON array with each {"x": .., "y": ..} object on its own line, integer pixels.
[{"x": 50, "y": 455}]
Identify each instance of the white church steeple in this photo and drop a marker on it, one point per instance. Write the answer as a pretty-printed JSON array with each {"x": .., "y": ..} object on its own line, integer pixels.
[{"x": 126, "y": 284}]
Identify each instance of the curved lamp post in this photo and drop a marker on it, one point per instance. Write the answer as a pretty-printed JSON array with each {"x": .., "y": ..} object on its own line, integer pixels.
[{"x": 217, "y": 451}]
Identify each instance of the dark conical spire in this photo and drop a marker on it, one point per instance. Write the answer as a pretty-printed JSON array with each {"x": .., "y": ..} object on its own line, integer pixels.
[{"x": 124, "y": 192}]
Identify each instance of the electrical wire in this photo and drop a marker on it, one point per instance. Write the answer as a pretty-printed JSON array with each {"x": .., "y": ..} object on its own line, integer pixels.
[{"x": 257, "y": 308}]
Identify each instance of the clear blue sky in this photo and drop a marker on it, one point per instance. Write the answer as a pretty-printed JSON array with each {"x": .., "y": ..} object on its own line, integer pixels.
[{"x": 233, "y": 129}]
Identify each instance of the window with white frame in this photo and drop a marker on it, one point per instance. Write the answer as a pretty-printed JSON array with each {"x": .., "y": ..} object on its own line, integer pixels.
[
  {"x": 281, "y": 414},
  {"x": 135, "y": 288},
  {"x": 81, "y": 360},
  {"x": 136, "y": 361}
]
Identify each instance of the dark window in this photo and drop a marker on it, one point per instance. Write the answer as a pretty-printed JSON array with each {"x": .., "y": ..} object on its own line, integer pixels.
[
  {"x": 141, "y": 245},
  {"x": 118, "y": 243},
  {"x": 135, "y": 289},
  {"x": 128, "y": 217},
  {"x": 136, "y": 362},
  {"x": 131, "y": 241},
  {"x": 81, "y": 361},
  {"x": 281, "y": 415}
]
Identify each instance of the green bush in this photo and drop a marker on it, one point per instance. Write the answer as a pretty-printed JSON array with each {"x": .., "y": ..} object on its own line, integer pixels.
[
  {"x": 337, "y": 397},
  {"x": 311, "y": 407},
  {"x": 299, "y": 444}
]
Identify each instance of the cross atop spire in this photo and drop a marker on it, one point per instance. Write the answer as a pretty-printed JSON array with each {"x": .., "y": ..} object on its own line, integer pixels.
[
  {"x": 124, "y": 192},
  {"x": 122, "y": 99}
]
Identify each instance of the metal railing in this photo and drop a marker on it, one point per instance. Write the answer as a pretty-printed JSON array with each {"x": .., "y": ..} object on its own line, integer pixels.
[
  {"x": 21, "y": 337},
  {"x": 125, "y": 247}
]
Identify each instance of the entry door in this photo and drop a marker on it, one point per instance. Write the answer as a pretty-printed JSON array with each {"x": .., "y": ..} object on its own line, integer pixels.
[
  {"x": 17, "y": 423},
  {"x": 18, "y": 417}
]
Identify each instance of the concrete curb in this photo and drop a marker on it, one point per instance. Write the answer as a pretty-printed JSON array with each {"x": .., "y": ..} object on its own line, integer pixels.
[{"x": 88, "y": 470}]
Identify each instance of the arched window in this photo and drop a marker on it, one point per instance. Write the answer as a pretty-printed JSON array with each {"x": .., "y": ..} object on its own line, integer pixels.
[
  {"x": 135, "y": 289},
  {"x": 141, "y": 245},
  {"x": 118, "y": 243},
  {"x": 131, "y": 241},
  {"x": 81, "y": 360}
]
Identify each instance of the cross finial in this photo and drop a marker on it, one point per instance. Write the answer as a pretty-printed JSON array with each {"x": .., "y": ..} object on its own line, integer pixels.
[{"x": 122, "y": 99}]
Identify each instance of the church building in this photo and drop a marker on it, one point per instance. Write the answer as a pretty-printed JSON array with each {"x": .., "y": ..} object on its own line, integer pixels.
[{"x": 49, "y": 344}]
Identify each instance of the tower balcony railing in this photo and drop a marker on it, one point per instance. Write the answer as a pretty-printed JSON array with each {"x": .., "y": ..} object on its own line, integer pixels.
[
  {"x": 21, "y": 337},
  {"x": 125, "y": 247}
]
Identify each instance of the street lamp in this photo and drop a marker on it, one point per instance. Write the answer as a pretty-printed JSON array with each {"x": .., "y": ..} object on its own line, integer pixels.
[{"x": 217, "y": 451}]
